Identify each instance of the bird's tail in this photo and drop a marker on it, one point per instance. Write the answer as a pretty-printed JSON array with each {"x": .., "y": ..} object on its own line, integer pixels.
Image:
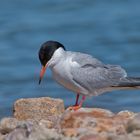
[{"x": 129, "y": 83}]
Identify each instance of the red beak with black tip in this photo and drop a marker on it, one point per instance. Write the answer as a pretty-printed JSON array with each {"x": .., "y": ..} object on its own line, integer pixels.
[{"x": 42, "y": 72}]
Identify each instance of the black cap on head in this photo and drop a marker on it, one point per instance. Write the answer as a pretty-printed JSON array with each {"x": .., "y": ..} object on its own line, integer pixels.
[{"x": 47, "y": 50}]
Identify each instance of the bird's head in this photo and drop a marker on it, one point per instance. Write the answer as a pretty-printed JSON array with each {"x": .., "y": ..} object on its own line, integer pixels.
[{"x": 45, "y": 54}]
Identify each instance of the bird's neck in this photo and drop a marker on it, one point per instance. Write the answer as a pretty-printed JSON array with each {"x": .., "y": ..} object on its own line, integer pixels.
[{"x": 58, "y": 55}]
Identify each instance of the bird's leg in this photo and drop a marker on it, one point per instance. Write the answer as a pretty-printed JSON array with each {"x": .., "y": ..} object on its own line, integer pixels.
[
  {"x": 76, "y": 107},
  {"x": 83, "y": 99},
  {"x": 77, "y": 97}
]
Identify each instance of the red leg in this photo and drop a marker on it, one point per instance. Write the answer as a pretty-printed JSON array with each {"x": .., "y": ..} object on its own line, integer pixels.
[
  {"x": 77, "y": 97},
  {"x": 76, "y": 107},
  {"x": 83, "y": 99}
]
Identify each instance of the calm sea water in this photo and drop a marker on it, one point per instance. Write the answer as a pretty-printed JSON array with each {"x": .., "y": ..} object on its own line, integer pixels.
[{"x": 108, "y": 30}]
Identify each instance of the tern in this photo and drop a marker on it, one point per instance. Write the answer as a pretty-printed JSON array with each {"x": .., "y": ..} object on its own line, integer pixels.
[{"x": 82, "y": 73}]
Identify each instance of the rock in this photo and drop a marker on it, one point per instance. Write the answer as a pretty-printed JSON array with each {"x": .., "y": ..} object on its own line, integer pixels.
[
  {"x": 94, "y": 112},
  {"x": 136, "y": 133},
  {"x": 36, "y": 132},
  {"x": 118, "y": 137},
  {"x": 93, "y": 137},
  {"x": 47, "y": 123},
  {"x": 8, "y": 124},
  {"x": 45, "y": 119},
  {"x": 132, "y": 137},
  {"x": 95, "y": 120},
  {"x": 126, "y": 114},
  {"x": 133, "y": 124},
  {"x": 70, "y": 132},
  {"x": 2, "y": 137},
  {"x": 18, "y": 134},
  {"x": 79, "y": 118},
  {"x": 38, "y": 108}
]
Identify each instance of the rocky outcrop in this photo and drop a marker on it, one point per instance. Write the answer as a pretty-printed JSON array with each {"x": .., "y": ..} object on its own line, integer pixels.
[
  {"x": 53, "y": 123},
  {"x": 37, "y": 108}
]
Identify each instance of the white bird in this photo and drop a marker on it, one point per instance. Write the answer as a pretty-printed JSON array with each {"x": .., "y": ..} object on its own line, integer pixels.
[{"x": 82, "y": 73}]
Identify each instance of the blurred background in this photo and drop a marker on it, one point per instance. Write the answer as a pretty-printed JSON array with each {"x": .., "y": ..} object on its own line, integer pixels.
[{"x": 108, "y": 30}]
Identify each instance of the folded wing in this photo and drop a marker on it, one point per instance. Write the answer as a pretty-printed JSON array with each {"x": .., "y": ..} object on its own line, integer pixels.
[{"x": 93, "y": 75}]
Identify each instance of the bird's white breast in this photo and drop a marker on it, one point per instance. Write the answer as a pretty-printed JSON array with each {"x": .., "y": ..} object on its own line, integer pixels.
[{"x": 62, "y": 73}]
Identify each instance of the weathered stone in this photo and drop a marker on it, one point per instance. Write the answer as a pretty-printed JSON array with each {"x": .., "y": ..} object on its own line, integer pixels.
[
  {"x": 136, "y": 133},
  {"x": 36, "y": 132},
  {"x": 133, "y": 124},
  {"x": 118, "y": 137},
  {"x": 46, "y": 123},
  {"x": 45, "y": 119},
  {"x": 17, "y": 134},
  {"x": 38, "y": 108},
  {"x": 70, "y": 132},
  {"x": 8, "y": 124},
  {"x": 97, "y": 120},
  {"x": 126, "y": 114},
  {"x": 2, "y": 137},
  {"x": 132, "y": 136},
  {"x": 95, "y": 112},
  {"x": 93, "y": 137}
]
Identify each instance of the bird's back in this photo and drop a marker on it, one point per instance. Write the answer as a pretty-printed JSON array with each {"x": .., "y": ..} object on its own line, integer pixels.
[
  {"x": 95, "y": 76},
  {"x": 85, "y": 74}
]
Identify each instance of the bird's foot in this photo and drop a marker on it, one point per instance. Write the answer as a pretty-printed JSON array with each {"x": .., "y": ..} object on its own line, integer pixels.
[{"x": 75, "y": 107}]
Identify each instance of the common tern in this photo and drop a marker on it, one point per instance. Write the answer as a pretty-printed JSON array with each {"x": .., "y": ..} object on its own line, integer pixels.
[{"x": 82, "y": 73}]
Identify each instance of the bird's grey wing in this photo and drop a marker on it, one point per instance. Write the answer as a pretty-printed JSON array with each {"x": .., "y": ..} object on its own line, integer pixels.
[
  {"x": 85, "y": 59},
  {"x": 93, "y": 75}
]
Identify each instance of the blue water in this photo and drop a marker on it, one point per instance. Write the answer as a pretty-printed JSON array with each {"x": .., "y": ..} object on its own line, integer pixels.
[{"x": 108, "y": 30}]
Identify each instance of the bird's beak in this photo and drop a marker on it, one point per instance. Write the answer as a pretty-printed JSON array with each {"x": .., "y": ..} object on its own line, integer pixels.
[{"x": 42, "y": 72}]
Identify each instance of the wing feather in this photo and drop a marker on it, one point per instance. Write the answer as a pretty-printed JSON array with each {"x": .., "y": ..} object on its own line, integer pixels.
[{"x": 94, "y": 75}]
